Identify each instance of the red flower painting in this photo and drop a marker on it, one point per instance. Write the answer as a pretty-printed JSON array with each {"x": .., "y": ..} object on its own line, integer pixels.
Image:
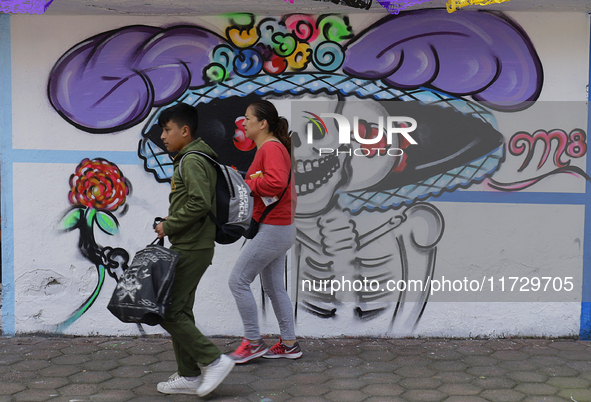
[{"x": 98, "y": 184}]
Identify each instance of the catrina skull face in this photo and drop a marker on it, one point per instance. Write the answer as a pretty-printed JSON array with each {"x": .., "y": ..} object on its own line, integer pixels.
[{"x": 323, "y": 164}]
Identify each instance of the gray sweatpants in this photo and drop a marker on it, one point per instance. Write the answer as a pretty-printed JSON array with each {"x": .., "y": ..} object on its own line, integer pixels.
[{"x": 265, "y": 254}]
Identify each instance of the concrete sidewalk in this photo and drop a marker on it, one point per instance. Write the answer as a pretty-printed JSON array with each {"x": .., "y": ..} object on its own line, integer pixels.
[{"x": 127, "y": 369}]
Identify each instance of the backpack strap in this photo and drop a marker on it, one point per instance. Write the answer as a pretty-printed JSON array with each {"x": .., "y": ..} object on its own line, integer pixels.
[
  {"x": 216, "y": 165},
  {"x": 270, "y": 207}
]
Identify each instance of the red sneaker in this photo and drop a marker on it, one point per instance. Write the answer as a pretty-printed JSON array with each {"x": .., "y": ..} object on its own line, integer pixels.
[
  {"x": 247, "y": 351},
  {"x": 282, "y": 350}
]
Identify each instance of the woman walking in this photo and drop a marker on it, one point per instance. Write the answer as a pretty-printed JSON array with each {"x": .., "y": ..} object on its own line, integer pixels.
[{"x": 269, "y": 178}]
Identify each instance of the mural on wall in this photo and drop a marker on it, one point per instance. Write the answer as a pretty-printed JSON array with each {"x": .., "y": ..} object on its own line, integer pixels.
[
  {"x": 360, "y": 215},
  {"x": 97, "y": 189}
]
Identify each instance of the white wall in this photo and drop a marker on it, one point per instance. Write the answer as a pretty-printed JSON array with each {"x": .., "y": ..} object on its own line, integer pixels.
[{"x": 483, "y": 237}]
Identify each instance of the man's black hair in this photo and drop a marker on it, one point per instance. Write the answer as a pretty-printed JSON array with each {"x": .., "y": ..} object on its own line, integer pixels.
[{"x": 181, "y": 114}]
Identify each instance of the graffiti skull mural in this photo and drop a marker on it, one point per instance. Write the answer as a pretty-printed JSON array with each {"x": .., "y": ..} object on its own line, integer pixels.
[{"x": 362, "y": 211}]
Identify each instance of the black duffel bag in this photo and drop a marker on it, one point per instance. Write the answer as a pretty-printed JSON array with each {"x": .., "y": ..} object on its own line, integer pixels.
[{"x": 143, "y": 292}]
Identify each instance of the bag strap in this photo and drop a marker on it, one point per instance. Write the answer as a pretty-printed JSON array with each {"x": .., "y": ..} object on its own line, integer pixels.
[
  {"x": 270, "y": 207},
  {"x": 157, "y": 220},
  {"x": 217, "y": 166}
]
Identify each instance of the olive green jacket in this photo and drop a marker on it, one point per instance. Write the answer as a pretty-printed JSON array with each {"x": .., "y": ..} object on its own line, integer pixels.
[{"x": 188, "y": 227}]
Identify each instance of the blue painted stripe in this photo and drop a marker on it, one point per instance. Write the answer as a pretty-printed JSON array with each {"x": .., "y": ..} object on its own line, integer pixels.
[
  {"x": 8, "y": 325},
  {"x": 585, "y": 330},
  {"x": 60, "y": 156},
  {"x": 513, "y": 198}
]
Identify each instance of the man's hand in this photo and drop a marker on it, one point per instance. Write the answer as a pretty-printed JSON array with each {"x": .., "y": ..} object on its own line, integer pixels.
[{"x": 160, "y": 230}]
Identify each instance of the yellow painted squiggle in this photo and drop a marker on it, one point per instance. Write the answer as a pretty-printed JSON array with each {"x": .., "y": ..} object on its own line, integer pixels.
[{"x": 453, "y": 5}]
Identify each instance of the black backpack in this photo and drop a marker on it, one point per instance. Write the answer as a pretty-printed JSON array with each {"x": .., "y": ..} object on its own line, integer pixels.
[{"x": 234, "y": 202}]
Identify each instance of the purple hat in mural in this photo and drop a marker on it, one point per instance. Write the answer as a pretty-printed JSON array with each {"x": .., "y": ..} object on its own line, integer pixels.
[{"x": 111, "y": 81}]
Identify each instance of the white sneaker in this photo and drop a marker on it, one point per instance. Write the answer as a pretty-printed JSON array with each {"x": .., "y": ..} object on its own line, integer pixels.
[
  {"x": 214, "y": 375},
  {"x": 177, "y": 384}
]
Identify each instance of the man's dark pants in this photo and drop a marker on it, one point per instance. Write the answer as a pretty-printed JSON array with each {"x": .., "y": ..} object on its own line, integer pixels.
[{"x": 190, "y": 345}]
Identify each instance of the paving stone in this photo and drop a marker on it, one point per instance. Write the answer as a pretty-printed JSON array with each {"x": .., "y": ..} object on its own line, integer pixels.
[
  {"x": 79, "y": 389},
  {"x": 60, "y": 370},
  {"x": 579, "y": 395},
  {"x": 559, "y": 371},
  {"x": 247, "y": 378},
  {"x": 167, "y": 355},
  {"x": 122, "y": 383},
  {"x": 580, "y": 365},
  {"x": 109, "y": 354},
  {"x": 575, "y": 355},
  {"x": 344, "y": 361},
  {"x": 90, "y": 377},
  {"x": 112, "y": 396},
  {"x": 70, "y": 359},
  {"x": 569, "y": 382},
  {"x": 33, "y": 395},
  {"x": 543, "y": 361},
  {"x": 420, "y": 383},
  {"x": 539, "y": 350},
  {"x": 460, "y": 389},
  {"x": 18, "y": 376},
  {"x": 41, "y": 354},
  {"x": 344, "y": 383},
  {"x": 536, "y": 389},
  {"x": 423, "y": 396},
  {"x": 415, "y": 372},
  {"x": 447, "y": 365},
  {"x": 30, "y": 365},
  {"x": 517, "y": 365},
  {"x": 308, "y": 390},
  {"x": 272, "y": 384},
  {"x": 52, "y": 344},
  {"x": 306, "y": 399},
  {"x": 454, "y": 377},
  {"x": 138, "y": 360},
  {"x": 509, "y": 355},
  {"x": 378, "y": 356},
  {"x": 444, "y": 355},
  {"x": 309, "y": 366},
  {"x": 379, "y": 367},
  {"x": 271, "y": 372},
  {"x": 527, "y": 376},
  {"x": 383, "y": 378},
  {"x": 104, "y": 365},
  {"x": 383, "y": 399},
  {"x": 411, "y": 361},
  {"x": 568, "y": 345},
  {"x": 8, "y": 359},
  {"x": 345, "y": 396},
  {"x": 9, "y": 388},
  {"x": 543, "y": 399},
  {"x": 148, "y": 349},
  {"x": 117, "y": 344},
  {"x": 502, "y": 395},
  {"x": 15, "y": 349},
  {"x": 474, "y": 350},
  {"x": 486, "y": 371},
  {"x": 130, "y": 372},
  {"x": 349, "y": 372},
  {"x": 47, "y": 383},
  {"x": 480, "y": 360},
  {"x": 259, "y": 397},
  {"x": 383, "y": 390},
  {"x": 466, "y": 399},
  {"x": 80, "y": 349},
  {"x": 165, "y": 366},
  {"x": 494, "y": 382}
]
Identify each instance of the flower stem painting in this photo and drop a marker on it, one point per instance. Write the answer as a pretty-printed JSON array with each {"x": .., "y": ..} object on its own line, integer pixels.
[{"x": 97, "y": 189}]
